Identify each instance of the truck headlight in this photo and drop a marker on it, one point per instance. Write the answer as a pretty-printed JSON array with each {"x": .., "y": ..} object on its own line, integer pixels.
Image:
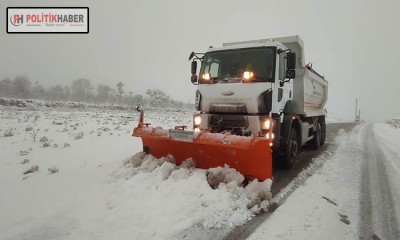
[
  {"x": 197, "y": 120},
  {"x": 270, "y": 136},
  {"x": 266, "y": 124}
]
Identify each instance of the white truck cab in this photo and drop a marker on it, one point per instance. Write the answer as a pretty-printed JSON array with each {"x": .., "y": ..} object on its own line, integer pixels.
[{"x": 261, "y": 88}]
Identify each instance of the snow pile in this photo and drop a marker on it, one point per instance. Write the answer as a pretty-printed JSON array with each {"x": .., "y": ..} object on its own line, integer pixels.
[{"x": 183, "y": 196}]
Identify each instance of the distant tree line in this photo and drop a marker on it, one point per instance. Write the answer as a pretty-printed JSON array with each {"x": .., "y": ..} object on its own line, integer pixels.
[{"x": 82, "y": 90}]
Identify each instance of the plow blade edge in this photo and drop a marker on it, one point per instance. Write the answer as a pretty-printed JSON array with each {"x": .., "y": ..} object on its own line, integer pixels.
[{"x": 251, "y": 156}]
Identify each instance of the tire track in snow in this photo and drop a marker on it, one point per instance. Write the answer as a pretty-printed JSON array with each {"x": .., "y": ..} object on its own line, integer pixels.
[{"x": 377, "y": 208}]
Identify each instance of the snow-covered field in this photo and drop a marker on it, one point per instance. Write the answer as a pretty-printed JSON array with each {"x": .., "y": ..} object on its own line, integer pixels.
[{"x": 79, "y": 175}]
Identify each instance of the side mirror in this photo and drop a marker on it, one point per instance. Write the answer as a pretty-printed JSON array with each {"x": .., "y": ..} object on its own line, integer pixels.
[
  {"x": 191, "y": 56},
  {"x": 194, "y": 70},
  {"x": 291, "y": 60},
  {"x": 194, "y": 67}
]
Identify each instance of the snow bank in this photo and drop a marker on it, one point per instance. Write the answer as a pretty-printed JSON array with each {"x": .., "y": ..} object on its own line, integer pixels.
[
  {"x": 183, "y": 196},
  {"x": 388, "y": 139}
]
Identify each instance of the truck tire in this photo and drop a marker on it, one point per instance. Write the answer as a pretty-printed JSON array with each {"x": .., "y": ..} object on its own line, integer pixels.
[
  {"x": 323, "y": 131},
  {"x": 291, "y": 150},
  {"x": 316, "y": 141}
]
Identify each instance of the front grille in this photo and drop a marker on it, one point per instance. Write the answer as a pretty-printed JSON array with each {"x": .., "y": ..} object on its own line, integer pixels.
[
  {"x": 228, "y": 122},
  {"x": 229, "y": 108}
]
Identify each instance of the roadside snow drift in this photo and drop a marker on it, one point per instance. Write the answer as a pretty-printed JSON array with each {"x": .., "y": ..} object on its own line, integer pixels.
[
  {"x": 78, "y": 175},
  {"x": 180, "y": 196}
]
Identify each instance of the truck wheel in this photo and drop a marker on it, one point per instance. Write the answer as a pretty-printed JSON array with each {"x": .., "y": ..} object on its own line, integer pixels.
[
  {"x": 323, "y": 131},
  {"x": 316, "y": 141},
  {"x": 291, "y": 150}
]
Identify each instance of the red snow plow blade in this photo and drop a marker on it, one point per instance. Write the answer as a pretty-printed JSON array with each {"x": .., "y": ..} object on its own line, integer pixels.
[{"x": 251, "y": 156}]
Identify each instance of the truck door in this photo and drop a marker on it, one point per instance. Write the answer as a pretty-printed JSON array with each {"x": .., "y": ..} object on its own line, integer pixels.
[{"x": 281, "y": 94}]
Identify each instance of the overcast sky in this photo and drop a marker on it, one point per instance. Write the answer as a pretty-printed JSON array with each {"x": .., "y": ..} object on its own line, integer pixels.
[{"x": 146, "y": 44}]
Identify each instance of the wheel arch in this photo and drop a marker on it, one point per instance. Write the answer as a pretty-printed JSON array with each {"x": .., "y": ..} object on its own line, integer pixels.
[
  {"x": 291, "y": 107},
  {"x": 290, "y": 121},
  {"x": 290, "y": 112}
]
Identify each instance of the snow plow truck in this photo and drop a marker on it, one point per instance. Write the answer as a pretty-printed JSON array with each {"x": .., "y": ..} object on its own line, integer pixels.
[{"x": 257, "y": 103}]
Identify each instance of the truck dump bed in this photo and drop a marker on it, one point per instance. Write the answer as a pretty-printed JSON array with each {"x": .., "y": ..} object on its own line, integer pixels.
[{"x": 310, "y": 91}]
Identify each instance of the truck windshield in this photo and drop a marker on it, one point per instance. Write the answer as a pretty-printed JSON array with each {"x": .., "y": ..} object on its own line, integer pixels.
[{"x": 255, "y": 64}]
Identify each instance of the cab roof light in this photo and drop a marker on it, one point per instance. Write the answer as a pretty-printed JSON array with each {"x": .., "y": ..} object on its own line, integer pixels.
[
  {"x": 206, "y": 76},
  {"x": 247, "y": 75}
]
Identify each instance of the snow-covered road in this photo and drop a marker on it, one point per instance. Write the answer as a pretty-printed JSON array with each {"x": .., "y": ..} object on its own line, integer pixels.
[
  {"x": 355, "y": 194},
  {"x": 380, "y": 188}
]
